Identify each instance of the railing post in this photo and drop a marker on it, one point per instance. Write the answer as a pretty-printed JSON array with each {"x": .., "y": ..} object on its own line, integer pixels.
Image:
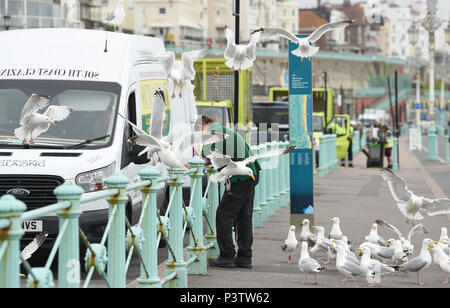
[
  {"x": 432, "y": 143},
  {"x": 323, "y": 154},
  {"x": 286, "y": 181},
  {"x": 257, "y": 212},
  {"x": 276, "y": 177},
  {"x": 447, "y": 147},
  {"x": 395, "y": 155},
  {"x": 281, "y": 176},
  {"x": 116, "y": 238},
  {"x": 11, "y": 209},
  {"x": 150, "y": 227},
  {"x": 69, "y": 249},
  {"x": 213, "y": 204},
  {"x": 334, "y": 150},
  {"x": 269, "y": 182},
  {"x": 176, "y": 259},
  {"x": 262, "y": 186},
  {"x": 196, "y": 246}
]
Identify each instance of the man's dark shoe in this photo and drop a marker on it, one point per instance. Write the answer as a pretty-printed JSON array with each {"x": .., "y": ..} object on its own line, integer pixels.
[
  {"x": 220, "y": 262},
  {"x": 244, "y": 265}
]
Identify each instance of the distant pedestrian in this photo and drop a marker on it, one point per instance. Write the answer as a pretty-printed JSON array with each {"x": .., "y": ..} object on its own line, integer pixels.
[{"x": 386, "y": 137}]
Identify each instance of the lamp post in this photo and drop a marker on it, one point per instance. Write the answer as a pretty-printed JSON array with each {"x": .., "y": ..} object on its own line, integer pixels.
[{"x": 431, "y": 23}]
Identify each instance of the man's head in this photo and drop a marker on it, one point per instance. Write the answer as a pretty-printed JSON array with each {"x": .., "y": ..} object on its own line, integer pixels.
[
  {"x": 385, "y": 128},
  {"x": 203, "y": 122}
]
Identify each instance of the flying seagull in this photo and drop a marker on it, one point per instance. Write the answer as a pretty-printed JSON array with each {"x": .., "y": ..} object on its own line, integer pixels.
[
  {"x": 33, "y": 123},
  {"x": 232, "y": 168},
  {"x": 305, "y": 50},
  {"x": 406, "y": 242},
  {"x": 409, "y": 204},
  {"x": 307, "y": 264},
  {"x": 290, "y": 244},
  {"x": 117, "y": 17},
  {"x": 241, "y": 57},
  {"x": 179, "y": 73}
]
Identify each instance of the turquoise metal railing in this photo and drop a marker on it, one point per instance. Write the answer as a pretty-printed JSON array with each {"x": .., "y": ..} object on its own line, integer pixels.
[
  {"x": 327, "y": 155},
  {"x": 112, "y": 261}
]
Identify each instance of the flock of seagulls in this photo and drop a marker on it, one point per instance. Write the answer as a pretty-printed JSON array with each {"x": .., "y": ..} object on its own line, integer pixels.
[{"x": 379, "y": 257}]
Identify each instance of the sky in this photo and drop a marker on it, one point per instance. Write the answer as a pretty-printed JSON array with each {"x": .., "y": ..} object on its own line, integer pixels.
[{"x": 443, "y": 5}]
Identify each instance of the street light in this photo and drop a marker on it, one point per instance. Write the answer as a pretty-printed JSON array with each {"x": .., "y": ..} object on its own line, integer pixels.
[
  {"x": 7, "y": 22},
  {"x": 413, "y": 33}
]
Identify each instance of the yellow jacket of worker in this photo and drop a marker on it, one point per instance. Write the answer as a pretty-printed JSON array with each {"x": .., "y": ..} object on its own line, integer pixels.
[
  {"x": 388, "y": 138},
  {"x": 336, "y": 129}
]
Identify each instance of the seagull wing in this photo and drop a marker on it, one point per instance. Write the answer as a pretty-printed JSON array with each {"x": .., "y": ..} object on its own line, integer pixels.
[
  {"x": 250, "y": 50},
  {"x": 281, "y": 32},
  {"x": 397, "y": 185},
  {"x": 167, "y": 59},
  {"x": 188, "y": 59},
  {"x": 218, "y": 160},
  {"x": 58, "y": 113},
  {"x": 197, "y": 138},
  {"x": 317, "y": 34},
  {"x": 110, "y": 17},
  {"x": 230, "y": 50},
  {"x": 34, "y": 245},
  {"x": 275, "y": 152},
  {"x": 146, "y": 141},
  {"x": 34, "y": 103},
  {"x": 389, "y": 226},
  {"x": 435, "y": 207},
  {"x": 136, "y": 129},
  {"x": 158, "y": 115},
  {"x": 420, "y": 228}
]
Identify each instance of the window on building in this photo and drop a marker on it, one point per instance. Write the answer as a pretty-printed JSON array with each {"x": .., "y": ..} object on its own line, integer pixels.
[
  {"x": 162, "y": 11},
  {"x": 218, "y": 12}
]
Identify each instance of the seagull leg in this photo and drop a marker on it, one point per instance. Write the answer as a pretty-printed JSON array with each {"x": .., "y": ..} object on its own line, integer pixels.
[
  {"x": 344, "y": 280},
  {"x": 302, "y": 59},
  {"x": 418, "y": 279},
  {"x": 31, "y": 141},
  {"x": 306, "y": 277},
  {"x": 173, "y": 94},
  {"x": 315, "y": 276},
  {"x": 289, "y": 259},
  {"x": 354, "y": 282},
  {"x": 24, "y": 141},
  {"x": 445, "y": 281}
]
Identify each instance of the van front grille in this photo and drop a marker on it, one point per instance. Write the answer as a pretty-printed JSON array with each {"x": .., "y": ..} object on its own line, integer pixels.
[{"x": 38, "y": 188}]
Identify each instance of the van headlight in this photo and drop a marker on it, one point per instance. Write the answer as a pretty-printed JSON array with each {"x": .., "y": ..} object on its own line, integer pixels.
[{"x": 95, "y": 179}]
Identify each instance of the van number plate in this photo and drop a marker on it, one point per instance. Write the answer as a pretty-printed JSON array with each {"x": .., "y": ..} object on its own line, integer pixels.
[{"x": 32, "y": 226}]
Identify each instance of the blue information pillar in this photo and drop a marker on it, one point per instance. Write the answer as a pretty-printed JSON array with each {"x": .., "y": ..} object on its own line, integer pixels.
[{"x": 300, "y": 135}]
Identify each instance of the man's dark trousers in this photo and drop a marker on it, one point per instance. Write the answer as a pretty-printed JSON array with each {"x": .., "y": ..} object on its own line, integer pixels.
[{"x": 236, "y": 207}]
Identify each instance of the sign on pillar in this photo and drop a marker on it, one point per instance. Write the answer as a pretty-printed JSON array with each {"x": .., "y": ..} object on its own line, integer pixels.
[{"x": 300, "y": 135}]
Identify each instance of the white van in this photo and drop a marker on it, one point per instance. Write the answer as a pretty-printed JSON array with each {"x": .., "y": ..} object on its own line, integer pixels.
[{"x": 95, "y": 73}]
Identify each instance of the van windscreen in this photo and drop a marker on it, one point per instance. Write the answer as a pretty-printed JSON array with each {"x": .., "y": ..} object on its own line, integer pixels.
[{"x": 93, "y": 113}]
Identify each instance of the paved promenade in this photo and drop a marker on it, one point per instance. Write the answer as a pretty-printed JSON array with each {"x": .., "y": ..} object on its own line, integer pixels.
[{"x": 358, "y": 196}]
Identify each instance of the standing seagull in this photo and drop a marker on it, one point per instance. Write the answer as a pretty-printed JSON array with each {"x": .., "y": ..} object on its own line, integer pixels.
[
  {"x": 408, "y": 203},
  {"x": 33, "y": 123},
  {"x": 306, "y": 235},
  {"x": 179, "y": 73},
  {"x": 335, "y": 232},
  {"x": 117, "y": 17},
  {"x": 305, "y": 50},
  {"x": 419, "y": 263},
  {"x": 241, "y": 57},
  {"x": 374, "y": 237},
  {"x": 370, "y": 264},
  {"x": 219, "y": 160},
  {"x": 290, "y": 244},
  {"x": 307, "y": 264}
]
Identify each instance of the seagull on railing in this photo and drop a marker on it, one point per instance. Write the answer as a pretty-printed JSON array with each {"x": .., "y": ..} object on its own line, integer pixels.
[{"x": 117, "y": 17}]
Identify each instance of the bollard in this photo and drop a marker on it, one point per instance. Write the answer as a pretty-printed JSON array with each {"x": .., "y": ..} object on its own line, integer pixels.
[
  {"x": 176, "y": 232},
  {"x": 213, "y": 203},
  {"x": 432, "y": 143},
  {"x": 262, "y": 186},
  {"x": 269, "y": 182},
  {"x": 116, "y": 238},
  {"x": 69, "y": 249},
  {"x": 447, "y": 149},
  {"x": 11, "y": 209},
  {"x": 395, "y": 155},
  {"x": 150, "y": 227},
  {"x": 257, "y": 212},
  {"x": 196, "y": 245}
]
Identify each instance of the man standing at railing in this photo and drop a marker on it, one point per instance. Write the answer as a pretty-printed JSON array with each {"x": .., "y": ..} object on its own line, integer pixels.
[{"x": 236, "y": 206}]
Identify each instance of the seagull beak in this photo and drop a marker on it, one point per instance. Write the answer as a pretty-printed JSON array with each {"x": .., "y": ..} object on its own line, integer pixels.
[
  {"x": 331, "y": 219},
  {"x": 21, "y": 275},
  {"x": 253, "y": 178},
  {"x": 445, "y": 243},
  {"x": 314, "y": 227},
  {"x": 435, "y": 242},
  {"x": 52, "y": 123},
  {"x": 388, "y": 242},
  {"x": 359, "y": 251}
]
